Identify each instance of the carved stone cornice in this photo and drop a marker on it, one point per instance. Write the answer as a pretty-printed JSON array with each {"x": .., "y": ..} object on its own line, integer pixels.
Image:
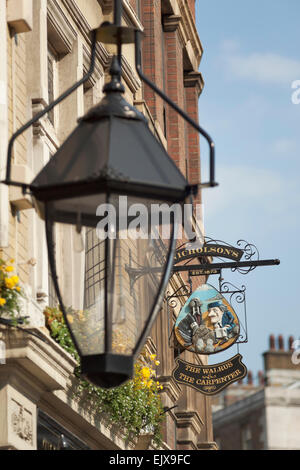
[
  {"x": 84, "y": 29},
  {"x": 106, "y": 5},
  {"x": 131, "y": 78},
  {"x": 99, "y": 66},
  {"x": 77, "y": 17},
  {"x": 189, "y": 35},
  {"x": 61, "y": 34},
  {"x": 180, "y": 19},
  {"x": 207, "y": 446},
  {"x": 42, "y": 128},
  {"x": 170, "y": 387},
  {"x": 171, "y": 22},
  {"x": 150, "y": 346},
  {"x": 41, "y": 363},
  {"x": 194, "y": 80},
  {"x": 189, "y": 419}
]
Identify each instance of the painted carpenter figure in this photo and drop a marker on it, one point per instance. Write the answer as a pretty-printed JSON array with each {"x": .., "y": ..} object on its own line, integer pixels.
[{"x": 222, "y": 321}]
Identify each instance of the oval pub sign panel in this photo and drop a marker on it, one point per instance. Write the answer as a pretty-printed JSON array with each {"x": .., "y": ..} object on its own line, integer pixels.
[{"x": 207, "y": 323}]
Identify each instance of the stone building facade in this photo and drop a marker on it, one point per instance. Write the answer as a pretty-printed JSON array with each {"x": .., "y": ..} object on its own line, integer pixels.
[
  {"x": 262, "y": 414},
  {"x": 45, "y": 48}
]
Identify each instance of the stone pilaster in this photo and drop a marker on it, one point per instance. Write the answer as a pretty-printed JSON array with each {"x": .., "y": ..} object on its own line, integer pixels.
[{"x": 189, "y": 426}]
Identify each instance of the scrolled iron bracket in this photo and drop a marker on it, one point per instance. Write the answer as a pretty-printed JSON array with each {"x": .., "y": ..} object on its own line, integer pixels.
[{"x": 237, "y": 295}]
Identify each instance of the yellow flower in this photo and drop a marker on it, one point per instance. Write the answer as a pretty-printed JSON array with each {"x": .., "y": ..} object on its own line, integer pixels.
[
  {"x": 149, "y": 384},
  {"x": 12, "y": 261},
  {"x": 9, "y": 269},
  {"x": 145, "y": 372},
  {"x": 15, "y": 279},
  {"x": 70, "y": 318},
  {"x": 2, "y": 301},
  {"x": 152, "y": 357},
  {"x": 9, "y": 283},
  {"x": 18, "y": 288},
  {"x": 157, "y": 363}
]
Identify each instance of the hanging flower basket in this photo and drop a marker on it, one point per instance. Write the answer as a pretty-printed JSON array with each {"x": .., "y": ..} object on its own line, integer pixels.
[
  {"x": 134, "y": 406},
  {"x": 10, "y": 291}
]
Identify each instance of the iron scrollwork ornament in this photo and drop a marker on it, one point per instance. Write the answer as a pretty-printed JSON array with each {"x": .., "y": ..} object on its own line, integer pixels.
[{"x": 237, "y": 296}]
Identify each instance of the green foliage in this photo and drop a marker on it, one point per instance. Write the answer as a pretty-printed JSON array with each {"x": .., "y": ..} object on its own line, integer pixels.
[{"x": 135, "y": 405}]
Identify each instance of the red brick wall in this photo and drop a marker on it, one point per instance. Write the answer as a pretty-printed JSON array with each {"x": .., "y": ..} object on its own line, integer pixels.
[
  {"x": 193, "y": 141},
  {"x": 175, "y": 91},
  {"x": 152, "y": 55},
  {"x": 183, "y": 140},
  {"x": 163, "y": 64},
  {"x": 192, "y": 7}
]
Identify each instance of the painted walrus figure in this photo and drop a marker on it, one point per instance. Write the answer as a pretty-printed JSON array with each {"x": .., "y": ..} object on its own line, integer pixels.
[
  {"x": 194, "y": 332},
  {"x": 204, "y": 339}
]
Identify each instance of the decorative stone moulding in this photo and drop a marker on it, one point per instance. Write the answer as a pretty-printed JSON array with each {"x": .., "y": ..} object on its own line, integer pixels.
[
  {"x": 18, "y": 414},
  {"x": 18, "y": 200},
  {"x": 19, "y": 15},
  {"x": 171, "y": 22}
]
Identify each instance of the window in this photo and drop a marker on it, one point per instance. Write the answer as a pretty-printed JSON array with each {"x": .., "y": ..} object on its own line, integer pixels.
[
  {"x": 52, "y": 436},
  {"x": 52, "y": 83},
  {"x": 94, "y": 268},
  {"x": 52, "y": 299}
]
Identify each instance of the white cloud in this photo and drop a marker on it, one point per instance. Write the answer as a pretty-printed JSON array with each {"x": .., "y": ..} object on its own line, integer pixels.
[
  {"x": 269, "y": 68},
  {"x": 285, "y": 147},
  {"x": 251, "y": 199},
  {"x": 229, "y": 46},
  {"x": 239, "y": 183}
]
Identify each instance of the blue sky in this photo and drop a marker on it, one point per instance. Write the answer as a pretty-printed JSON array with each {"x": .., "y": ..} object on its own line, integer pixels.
[{"x": 251, "y": 58}]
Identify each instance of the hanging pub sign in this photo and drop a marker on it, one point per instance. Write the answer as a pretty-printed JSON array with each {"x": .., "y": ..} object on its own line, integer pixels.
[
  {"x": 243, "y": 258},
  {"x": 215, "y": 250},
  {"x": 211, "y": 379},
  {"x": 207, "y": 323}
]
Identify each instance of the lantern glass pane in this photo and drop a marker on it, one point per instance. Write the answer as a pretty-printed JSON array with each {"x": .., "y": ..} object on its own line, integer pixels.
[
  {"x": 111, "y": 259},
  {"x": 140, "y": 251},
  {"x": 80, "y": 268}
]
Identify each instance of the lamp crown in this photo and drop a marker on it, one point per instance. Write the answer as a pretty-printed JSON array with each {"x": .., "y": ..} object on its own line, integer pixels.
[{"x": 115, "y": 84}]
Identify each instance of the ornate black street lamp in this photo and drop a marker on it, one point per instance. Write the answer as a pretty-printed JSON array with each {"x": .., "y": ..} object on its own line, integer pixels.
[{"x": 111, "y": 158}]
